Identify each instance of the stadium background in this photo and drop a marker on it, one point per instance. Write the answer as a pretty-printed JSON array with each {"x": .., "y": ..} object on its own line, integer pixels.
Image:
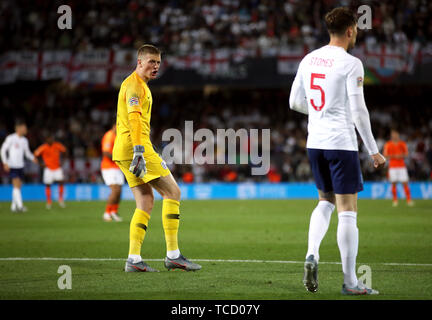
[{"x": 226, "y": 64}]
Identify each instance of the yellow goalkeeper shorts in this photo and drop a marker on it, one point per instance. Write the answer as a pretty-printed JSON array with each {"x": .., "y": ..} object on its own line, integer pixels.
[{"x": 156, "y": 167}]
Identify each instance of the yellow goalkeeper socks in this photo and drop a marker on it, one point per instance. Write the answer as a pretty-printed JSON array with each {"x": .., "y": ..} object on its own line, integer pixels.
[
  {"x": 138, "y": 228},
  {"x": 170, "y": 222}
]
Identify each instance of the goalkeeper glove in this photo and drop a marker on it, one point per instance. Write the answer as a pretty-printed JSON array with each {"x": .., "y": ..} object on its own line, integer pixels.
[{"x": 138, "y": 164}]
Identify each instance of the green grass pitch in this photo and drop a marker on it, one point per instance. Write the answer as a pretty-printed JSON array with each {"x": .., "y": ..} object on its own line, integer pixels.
[{"x": 249, "y": 249}]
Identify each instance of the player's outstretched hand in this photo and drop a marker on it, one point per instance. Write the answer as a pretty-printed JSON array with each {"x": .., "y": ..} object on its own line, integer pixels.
[
  {"x": 379, "y": 160},
  {"x": 138, "y": 164}
]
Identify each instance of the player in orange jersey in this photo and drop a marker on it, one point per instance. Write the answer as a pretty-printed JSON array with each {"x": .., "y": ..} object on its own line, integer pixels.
[
  {"x": 50, "y": 152},
  {"x": 396, "y": 150},
  {"x": 112, "y": 175}
]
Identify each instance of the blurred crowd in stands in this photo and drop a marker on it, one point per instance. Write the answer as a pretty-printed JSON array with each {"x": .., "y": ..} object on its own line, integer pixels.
[
  {"x": 182, "y": 26},
  {"x": 79, "y": 119}
]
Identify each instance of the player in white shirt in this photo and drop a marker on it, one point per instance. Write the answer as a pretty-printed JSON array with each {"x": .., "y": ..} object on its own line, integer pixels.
[
  {"x": 329, "y": 88},
  {"x": 13, "y": 151}
]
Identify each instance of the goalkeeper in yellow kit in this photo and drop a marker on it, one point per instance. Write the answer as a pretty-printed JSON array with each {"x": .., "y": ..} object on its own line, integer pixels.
[{"x": 143, "y": 168}]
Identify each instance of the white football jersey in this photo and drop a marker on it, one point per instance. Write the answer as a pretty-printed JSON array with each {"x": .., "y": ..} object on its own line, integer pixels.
[
  {"x": 328, "y": 76},
  {"x": 14, "y": 149}
]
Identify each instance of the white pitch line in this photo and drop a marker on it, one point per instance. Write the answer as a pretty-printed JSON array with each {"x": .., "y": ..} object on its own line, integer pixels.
[{"x": 209, "y": 260}]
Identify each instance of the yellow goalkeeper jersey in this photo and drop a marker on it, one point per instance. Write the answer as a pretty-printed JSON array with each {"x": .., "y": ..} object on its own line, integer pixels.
[{"x": 134, "y": 96}]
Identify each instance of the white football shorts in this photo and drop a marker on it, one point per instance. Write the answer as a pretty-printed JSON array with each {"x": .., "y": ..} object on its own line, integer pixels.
[
  {"x": 398, "y": 175},
  {"x": 51, "y": 176},
  {"x": 113, "y": 176}
]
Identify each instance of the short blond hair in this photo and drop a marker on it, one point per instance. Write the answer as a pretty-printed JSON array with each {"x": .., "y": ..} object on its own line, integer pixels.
[{"x": 148, "y": 48}]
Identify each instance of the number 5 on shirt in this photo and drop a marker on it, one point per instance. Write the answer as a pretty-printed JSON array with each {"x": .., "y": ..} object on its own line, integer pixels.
[{"x": 317, "y": 87}]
